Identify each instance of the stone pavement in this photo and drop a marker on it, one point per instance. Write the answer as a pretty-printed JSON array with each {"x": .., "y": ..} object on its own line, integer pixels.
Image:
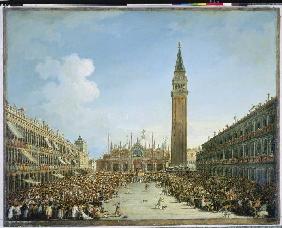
[{"x": 137, "y": 203}]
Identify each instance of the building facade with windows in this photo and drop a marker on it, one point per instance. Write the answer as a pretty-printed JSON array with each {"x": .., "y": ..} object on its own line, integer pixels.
[
  {"x": 34, "y": 153},
  {"x": 135, "y": 158},
  {"x": 248, "y": 148},
  {"x": 92, "y": 165}
]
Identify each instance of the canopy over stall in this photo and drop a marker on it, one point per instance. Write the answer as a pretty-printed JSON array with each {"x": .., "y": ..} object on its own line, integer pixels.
[
  {"x": 76, "y": 173},
  {"x": 67, "y": 162},
  {"x": 31, "y": 181},
  {"x": 58, "y": 175},
  {"x": 61, "y": 161},
  {"x": 55, "y": 145},
  {"x": 15, "y": 131},
  {"x": 48, "y": 143},
  {"x": 28, "y": 156}
]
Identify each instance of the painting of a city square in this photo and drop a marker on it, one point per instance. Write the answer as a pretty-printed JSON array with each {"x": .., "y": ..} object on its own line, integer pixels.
[{"x": 141, "y": 116}]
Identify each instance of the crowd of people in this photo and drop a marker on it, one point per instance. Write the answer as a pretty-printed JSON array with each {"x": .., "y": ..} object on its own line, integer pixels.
[
  {"x": 83, "y": 196},
  {"x": 215, "y": 193},
  {"x": 75, "y": 197}
]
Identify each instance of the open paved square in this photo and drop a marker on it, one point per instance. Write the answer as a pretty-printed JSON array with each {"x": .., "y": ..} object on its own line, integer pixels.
[
  {"x": 139, "y": 204},
  {"x": 138, "y": 208}
]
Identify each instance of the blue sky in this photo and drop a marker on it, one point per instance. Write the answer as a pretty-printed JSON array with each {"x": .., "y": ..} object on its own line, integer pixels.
[{"x": 94, "y": 72}]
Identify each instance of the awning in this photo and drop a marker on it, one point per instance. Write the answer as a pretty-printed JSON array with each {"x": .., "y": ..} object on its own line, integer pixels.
[
  {"x": 55, "y": 145},
  {"x": 67, "y": 161},
  {"x": 15, "y": 131},
  {"x": 74, "y": 161},
  {"x": 48, "y": 142},
  {"x": 62, "y": 161},
  {"x": 31, "y": 181},
  {"x": 58, "y": 175},
  {"x": 70, "y": 151},
  {"x": 28, "y": 156}
]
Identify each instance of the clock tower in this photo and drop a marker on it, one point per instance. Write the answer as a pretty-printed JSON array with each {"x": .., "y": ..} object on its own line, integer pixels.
[{"x": 179, "y": 113}]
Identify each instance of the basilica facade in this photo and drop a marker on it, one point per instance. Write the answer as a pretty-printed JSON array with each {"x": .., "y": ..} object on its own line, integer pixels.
[{"x": 135, "y": 158}]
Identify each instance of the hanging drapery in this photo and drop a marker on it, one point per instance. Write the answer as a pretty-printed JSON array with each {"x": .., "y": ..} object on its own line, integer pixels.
[
  {"x": 61, "y": 161},
  {"x": 58, "y": 175},
  {"x": 48, "y": 142},
  {"x": 55, "y": 145},
  {"x": 31, "y": 181},
  {"x": 15, "y": 131},
  {"x": 28, "y": 156}
]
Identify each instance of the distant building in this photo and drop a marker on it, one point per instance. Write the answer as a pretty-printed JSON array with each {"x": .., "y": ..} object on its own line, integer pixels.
[
  {"x": 92, "y": 164},
  {"x": 179, "y": 113},
  {"x": 248, "y": 148},
  {"x": 134, "y": 158},
  {"x": 83, "y": 155},
  {"x": 34, "y": 153},
  {"x": 191, "y": 157}
]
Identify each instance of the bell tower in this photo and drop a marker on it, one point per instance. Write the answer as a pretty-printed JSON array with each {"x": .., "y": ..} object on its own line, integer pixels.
[{"x": 179, "y": 113}]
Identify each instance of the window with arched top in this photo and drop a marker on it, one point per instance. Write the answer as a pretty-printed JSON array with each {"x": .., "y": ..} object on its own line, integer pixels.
[
  {"x": 235, "y": 153},
  {"x": 258, "y": 125},
  {"x": 264, "y": 121},
  {"x": 272, "y": 147},
  {"x": 248, "y": 150},
  {"x": 271, "y": 119},
  {"x": 241, "y": 154},
  {"x": 251, "y": 149},
  {"x": 264, "y": 151},
  {"x": 258, "y": 147}
]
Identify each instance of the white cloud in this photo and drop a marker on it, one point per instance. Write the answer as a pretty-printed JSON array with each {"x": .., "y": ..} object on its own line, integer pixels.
[
  {"x": 67, "y": 95},
  {"x": 69, "y": 80},
  {"x": 67, "y": 92}
]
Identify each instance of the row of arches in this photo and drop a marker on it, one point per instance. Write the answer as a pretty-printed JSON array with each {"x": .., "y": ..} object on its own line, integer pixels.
[
  {"x": 262, "y": 175},
  {"x": 124, "y": 167},
  {"x": 258, "y": 147},
  {"x": 260, "y": 121}
]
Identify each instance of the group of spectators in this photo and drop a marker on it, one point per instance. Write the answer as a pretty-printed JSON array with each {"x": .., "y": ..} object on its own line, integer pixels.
[
  {"x": 214, "y": 193},
  {"x": 75, "y": 197},
  {"x": 82, "y": 197}
]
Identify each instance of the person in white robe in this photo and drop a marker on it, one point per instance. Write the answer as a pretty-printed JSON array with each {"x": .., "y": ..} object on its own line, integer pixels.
[
  {"x": 11, "y": 212},
  {"x": 75, "y": 211}
]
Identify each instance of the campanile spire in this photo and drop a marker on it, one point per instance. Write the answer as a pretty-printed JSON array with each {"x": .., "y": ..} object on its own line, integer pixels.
[{"x": 179, "y": 66}]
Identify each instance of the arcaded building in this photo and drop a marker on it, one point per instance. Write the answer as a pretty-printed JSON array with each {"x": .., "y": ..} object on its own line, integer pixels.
[
  {"x": 35, "y": 153},
  {"x": 248, "y": 148},
  {"x": 134, "y": 158},
  {"x": 179, "y": 113}
]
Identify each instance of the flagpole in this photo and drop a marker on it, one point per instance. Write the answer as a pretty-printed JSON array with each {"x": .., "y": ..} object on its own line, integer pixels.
[{"x": 108, "y": 143}]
